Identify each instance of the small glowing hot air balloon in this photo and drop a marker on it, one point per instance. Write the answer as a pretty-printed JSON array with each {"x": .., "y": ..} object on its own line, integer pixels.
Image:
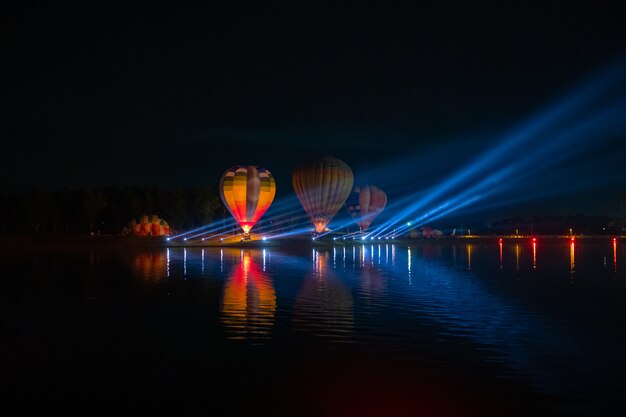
[
  {"x": 365, "y": 203},
  {"x": 322, "y": 186},
  {"x": 148, "y": 226},
  {"x": 247, "y": 192}
]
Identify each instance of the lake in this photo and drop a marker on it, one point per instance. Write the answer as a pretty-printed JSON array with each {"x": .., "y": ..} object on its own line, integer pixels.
[{"x": 423, "y": 328}]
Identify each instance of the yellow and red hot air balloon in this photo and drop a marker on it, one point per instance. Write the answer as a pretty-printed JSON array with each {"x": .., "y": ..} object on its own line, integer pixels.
[
  {"x": 322, "y": 186},
  {"x": 146, "y": 225},
  {"x": 247, "y": 192},
  {"x": 365, "y": 203}
]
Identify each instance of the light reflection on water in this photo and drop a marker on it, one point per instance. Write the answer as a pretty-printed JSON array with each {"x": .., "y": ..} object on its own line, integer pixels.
[
  {"x": 572, "y": 259},
  {"x": 249, "y": 299},
  {"x": 378, "y": 295},
  {"x": 324, "y": 306},
  {"x": 506, "y": 312},
  {"x": 614, "y": 255},
  {"x": 153, "y": 266}
]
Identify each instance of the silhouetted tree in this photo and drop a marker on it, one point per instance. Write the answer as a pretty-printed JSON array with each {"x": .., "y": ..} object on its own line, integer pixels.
[
  {"x": 93, "y": 204},
  {"x": 177, "y": 212},
  {"x": 204, "y": 206},
  {"x": 36, "y": 207}
]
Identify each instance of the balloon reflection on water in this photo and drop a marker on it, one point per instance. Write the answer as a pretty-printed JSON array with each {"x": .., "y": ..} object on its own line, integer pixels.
[
  {"x": 373, "y": 283},
  {"x": 249, "y": 299},
  {"x": 324, "y": 306},
  {"x": 151, "y": 265}
]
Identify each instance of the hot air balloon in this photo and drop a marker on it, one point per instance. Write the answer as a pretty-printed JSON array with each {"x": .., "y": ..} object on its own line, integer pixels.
[
  {"x": 365, "y": 204},
  {"x": 247, "y": 192},
  {"x": 322, "y": 186},
  {"x": 148, "y": 226}
]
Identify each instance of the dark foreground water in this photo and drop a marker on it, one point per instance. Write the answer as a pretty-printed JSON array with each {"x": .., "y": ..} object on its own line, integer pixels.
[{"x": 441, "y": 328}]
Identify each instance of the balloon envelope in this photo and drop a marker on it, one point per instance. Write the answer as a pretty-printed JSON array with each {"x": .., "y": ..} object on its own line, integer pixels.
[
  {"x": 149, "y": 226},
  {"x": 247, "y": 192},
  {"x": 322, "y": 186},
  {"x": 365, "y": 203}
]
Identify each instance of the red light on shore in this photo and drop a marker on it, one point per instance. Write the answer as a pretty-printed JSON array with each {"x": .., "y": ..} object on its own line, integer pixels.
[
  {"x": 572, "y": 239},
  {"x": 614, "y": 239},
  {"x": 500, "y": 240},
  {"x": 534, "y": 239}
]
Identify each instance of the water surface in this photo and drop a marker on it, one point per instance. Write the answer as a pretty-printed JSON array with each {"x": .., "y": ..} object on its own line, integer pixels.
[{"x": 430, "y": 328}]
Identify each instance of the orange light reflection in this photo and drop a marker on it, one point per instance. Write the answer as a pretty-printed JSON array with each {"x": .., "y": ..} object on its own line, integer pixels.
[
  {"x": 572, "y": 258},
  {"x": 614, "y": 255},
  {"x": 249, "y": 301}
]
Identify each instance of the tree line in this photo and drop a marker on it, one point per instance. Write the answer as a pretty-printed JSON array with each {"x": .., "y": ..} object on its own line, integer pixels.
[
  {"x": 559, "y": 225},
  {"x": 108, "y": 210},
  {"x": 105, "y": 210}
]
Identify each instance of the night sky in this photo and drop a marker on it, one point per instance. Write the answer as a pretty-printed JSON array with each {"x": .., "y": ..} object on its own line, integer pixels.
[{"x": 173, "y": 96}]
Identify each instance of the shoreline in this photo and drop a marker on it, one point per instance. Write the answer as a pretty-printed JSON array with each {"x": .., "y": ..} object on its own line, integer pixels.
[{"x": 130, "y": 242}]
